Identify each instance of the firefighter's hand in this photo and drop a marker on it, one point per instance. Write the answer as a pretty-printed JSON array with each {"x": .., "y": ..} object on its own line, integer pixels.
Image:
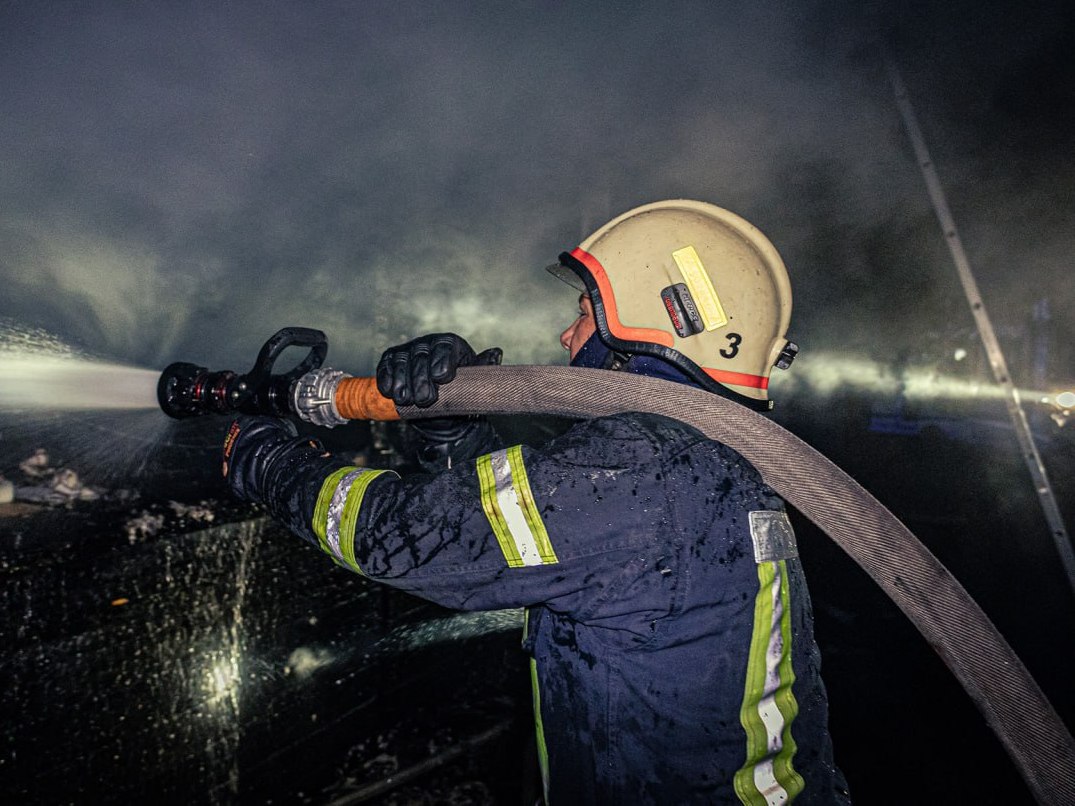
[
  {"x": 410, "y": 373},
  {"x": 252, "y": 448}
]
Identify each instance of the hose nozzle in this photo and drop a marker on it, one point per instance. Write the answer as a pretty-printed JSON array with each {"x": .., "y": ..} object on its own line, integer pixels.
[{"x": 187, "y": 390}]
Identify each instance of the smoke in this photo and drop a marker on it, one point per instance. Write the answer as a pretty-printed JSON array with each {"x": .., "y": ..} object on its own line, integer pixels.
[{"x": 182, "y": 181}]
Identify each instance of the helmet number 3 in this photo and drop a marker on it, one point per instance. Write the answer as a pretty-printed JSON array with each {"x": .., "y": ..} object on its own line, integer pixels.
[{"x": 732, "y": 350}]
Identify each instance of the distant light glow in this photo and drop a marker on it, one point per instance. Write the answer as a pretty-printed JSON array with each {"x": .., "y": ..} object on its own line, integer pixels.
[
  {"x": 304, "y": 661},
  {"x": 826, "y": 374},
  {"x": 829, "y": 373},
  {"x": 220, "y": 683}
]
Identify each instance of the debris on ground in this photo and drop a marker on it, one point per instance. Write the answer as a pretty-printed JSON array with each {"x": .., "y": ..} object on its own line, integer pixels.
[
  {"x": 53, "y": 486},
  {"x": 36, "y": 466},
  {"x": 198, "y": 513},
  {"x": 144, "y": 525}
]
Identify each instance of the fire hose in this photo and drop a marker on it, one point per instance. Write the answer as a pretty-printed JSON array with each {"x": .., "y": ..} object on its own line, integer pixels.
[{"x": 997, "y": 681}]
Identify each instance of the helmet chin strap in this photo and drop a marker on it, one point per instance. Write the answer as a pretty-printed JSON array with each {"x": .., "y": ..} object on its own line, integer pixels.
[{"x": 619, "y": 360}]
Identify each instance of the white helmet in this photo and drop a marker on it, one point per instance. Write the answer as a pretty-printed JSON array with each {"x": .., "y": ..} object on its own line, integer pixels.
[{"x": 694, "y": 285}]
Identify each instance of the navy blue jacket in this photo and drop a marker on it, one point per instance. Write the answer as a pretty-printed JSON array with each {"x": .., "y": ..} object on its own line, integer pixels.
[{"x": 668, "y": 619}]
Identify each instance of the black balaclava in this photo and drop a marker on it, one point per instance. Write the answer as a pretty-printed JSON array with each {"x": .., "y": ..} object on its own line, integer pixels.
[{"x": 595, "y": 354}]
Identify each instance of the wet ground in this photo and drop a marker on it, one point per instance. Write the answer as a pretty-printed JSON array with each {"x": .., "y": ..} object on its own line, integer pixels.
[
  {"x": 230, "y": 665},
  {"x": 196, "y": 661}
]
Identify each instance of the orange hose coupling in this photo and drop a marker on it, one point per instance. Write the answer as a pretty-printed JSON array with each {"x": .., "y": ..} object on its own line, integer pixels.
[{"x": 358, "y": 399}]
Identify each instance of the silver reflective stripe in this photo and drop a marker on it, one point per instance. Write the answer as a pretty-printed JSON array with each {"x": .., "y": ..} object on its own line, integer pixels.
[
  {"x": 768, "y": 775},
  {"x": 512, "y": 511},
  {"x": 335, "y": 512},
  {"x": 773, "y": 537}
]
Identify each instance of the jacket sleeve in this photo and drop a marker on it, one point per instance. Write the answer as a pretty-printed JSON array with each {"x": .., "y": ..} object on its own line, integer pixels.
[{"x": 515, "y": 527}]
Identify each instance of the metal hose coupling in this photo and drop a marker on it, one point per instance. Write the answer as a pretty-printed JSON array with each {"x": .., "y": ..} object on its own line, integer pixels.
[{"x": 313, "y": 397}]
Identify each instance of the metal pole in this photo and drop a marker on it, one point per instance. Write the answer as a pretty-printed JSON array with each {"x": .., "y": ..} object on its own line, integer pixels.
[{"x": 985, "y": 327}]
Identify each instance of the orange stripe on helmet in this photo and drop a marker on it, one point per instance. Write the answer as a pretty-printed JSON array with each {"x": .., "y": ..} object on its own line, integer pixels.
[
  {"x": 737, "y": 378},
  {"x": 608, "y": 300}
]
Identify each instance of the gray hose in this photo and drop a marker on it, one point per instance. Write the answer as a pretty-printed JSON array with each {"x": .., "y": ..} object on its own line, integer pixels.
[{"x": 954, "y": 625}]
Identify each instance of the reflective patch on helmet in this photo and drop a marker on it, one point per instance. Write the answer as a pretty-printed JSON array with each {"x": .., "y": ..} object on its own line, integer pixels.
[
  {"x": 773, "y": 537},
  {"x": 701, "y": 287},
  {"x": 682, "y": 310}
]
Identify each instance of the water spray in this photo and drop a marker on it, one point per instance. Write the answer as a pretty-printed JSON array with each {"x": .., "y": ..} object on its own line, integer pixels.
[
  {"x": 38, "y": 371},
  {"x": 63, "y": 383}
]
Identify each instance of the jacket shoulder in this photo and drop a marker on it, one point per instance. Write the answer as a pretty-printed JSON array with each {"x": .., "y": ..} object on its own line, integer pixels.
[
  {"x": 624, "y": 439},
  {"x": 639, "y": 439}
]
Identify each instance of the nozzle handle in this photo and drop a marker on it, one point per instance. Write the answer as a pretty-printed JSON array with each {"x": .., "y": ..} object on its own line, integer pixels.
[
  {"x": 291, "y": 337},
  {"x": 261, "y": 392}
]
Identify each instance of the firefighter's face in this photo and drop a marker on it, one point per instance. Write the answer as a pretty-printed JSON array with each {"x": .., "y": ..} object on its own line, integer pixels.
[{"x": 581, "y": 329}]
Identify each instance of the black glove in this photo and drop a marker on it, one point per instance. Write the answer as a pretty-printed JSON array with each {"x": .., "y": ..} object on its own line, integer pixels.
[
  {"x": 255, "y": 450},
  {"x": 266, "y": 463},
  {"x": 410, "y": 373}
]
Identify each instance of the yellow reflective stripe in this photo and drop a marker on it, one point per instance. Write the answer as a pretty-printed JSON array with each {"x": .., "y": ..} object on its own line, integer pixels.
[
  {"x": 349, "y": 520},
  {"x": 526, "y": 501},
  {"x": 512, "y": 512},
  {"x": 755, "y": 683},
  {"x": 336, "y": 513},
  {"x": 539, "y": 728},
  {"x": 487, "y": 483},
  {"x": 767, "y": 776},
  {"x": 324, "y": 498}
]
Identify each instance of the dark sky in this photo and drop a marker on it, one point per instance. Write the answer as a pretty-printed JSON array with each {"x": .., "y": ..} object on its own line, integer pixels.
[{"x": 179, "y": 180}]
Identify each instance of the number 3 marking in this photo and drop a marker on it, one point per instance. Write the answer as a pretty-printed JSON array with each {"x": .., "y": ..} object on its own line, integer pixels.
[{"x": 734, "y": 340}]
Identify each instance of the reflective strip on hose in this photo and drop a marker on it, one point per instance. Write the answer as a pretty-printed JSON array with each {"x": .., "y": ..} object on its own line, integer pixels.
[
  {"x": 512, "y": 512},
  {"x": 337, "y": 510},
  {"x": 767, "y": 777}
]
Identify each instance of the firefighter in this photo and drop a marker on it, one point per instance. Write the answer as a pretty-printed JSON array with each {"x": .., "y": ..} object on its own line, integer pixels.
[{"x": 668, "y": 622}]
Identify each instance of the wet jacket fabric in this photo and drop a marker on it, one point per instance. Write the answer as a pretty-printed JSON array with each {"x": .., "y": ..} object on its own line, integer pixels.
[{"x": 668, "y": 623}]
